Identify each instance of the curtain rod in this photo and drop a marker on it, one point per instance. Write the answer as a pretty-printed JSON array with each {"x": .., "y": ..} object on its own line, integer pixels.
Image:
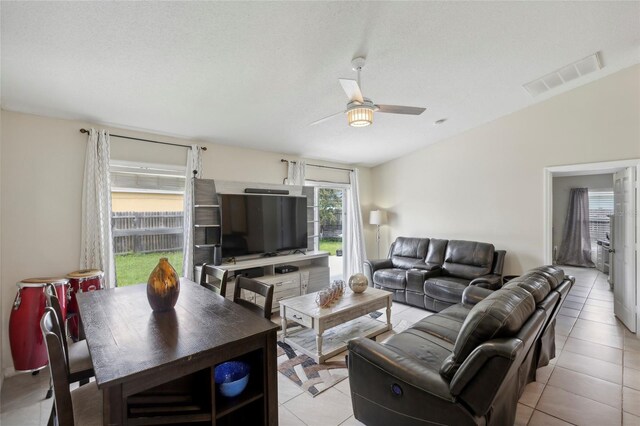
[
  {"x": 282, "y": 160},
  {"x": 204, "y": 148}
]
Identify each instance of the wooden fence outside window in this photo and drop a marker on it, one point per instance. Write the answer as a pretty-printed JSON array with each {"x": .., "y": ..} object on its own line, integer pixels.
[{"x": 146, "y": 232}]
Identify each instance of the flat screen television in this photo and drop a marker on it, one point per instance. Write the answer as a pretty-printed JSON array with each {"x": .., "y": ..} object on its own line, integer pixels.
[{"x": 255, "y": 224}]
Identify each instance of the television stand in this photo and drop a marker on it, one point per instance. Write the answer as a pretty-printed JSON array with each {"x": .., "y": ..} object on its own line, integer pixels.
[
  {"x": 271, "y": 254},
  {"x": 298, "y": 251},
  {"x": 313, "y": 274}
]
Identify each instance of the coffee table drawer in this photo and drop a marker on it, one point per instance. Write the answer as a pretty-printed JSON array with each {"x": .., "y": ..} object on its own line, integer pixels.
[{"x": 299, "y": 317}]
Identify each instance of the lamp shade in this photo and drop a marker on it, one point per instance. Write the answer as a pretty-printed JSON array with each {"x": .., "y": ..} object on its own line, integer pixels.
[
  {"x": 377, "y": 217},
  {"x": 360, "y": 116}
]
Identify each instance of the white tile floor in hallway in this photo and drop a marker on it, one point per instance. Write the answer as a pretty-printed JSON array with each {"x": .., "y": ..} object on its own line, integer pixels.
[{"x": 594, "y": 379}]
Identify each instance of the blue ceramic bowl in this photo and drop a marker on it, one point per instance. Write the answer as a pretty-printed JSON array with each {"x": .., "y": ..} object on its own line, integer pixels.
[{"x": 232, "y": 377}]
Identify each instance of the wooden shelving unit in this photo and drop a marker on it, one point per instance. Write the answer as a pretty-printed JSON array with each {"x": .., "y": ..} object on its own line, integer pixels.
[
  {"x": 206, "y": 220},
  {"x": 195, "y": 399}
]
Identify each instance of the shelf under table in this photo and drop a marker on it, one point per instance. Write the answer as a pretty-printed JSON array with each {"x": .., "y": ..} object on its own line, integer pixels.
[{"x": 334, "y": 340}]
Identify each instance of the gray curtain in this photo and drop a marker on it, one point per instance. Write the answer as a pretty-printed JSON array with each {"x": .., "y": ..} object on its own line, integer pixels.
[{"x": 575, "y": 248}]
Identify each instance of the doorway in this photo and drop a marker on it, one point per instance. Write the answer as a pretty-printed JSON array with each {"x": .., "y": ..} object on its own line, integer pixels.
[
  {"x": 330, "y": 214},
  {"x": 625, "y": 279}
]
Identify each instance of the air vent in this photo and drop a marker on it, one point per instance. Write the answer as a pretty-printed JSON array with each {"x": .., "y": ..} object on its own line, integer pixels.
[{"x": 564, "y": 75}]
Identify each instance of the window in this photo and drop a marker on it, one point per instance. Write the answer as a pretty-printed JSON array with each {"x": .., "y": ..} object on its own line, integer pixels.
[
  {"x": 600, "y": 207},
  {"x": 147, "y": 218}
]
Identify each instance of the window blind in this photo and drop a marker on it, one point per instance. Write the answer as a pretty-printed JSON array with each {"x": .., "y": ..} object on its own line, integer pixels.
[{"x": 600, "y": 207}]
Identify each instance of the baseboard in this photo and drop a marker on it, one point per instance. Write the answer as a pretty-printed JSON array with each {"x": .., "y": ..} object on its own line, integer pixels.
[{"x": 9, "y": 372}]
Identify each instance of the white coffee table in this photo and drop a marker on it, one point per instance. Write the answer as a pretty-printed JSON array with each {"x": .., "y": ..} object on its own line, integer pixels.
[{"x": 326, "y": 331}]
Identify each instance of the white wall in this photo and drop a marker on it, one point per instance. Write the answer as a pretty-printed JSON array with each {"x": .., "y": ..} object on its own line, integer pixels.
[
  {"x": 562, "y": 188},
  {"x": 1, "y": 291},
  {"x": 487, "y": 184},
  {"x": 41, "y": 167}
]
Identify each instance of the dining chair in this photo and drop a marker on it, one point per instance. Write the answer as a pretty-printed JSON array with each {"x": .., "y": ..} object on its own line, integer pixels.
[
  {"x": 82, "y": 406},
  {"x": 77, "y": 358},
  {"x": 218, "y": 274},
  {"x": 258, "y": 287}
]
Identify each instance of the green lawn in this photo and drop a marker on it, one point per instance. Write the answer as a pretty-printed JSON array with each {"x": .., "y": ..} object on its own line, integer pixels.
[
  {"x": 330, "y": 246},
  {"x": 136, "y": 268}
]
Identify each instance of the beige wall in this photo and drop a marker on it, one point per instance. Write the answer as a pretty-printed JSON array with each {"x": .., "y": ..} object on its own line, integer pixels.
[
  {"x": 487, "y": 184},
  {"x": 41, "y": 168},
  {"x": 1, "y": 287},
  {"x": 562, "y": 188}
]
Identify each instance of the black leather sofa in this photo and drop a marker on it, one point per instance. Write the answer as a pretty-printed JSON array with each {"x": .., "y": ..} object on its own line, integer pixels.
[
  {"x": 559, "y": 286},
  {"x": 467, "y": 364},
  {"x": 432, "y": 273}
]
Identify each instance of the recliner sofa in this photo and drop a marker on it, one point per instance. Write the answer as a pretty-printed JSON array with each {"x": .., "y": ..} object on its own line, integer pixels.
[
  {"x": 467, "y": 364},
  {"x": 432, "y": 273}
]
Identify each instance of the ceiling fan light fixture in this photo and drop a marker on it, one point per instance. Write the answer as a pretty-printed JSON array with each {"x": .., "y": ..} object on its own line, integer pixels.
[{"x": 360, "y": 116}]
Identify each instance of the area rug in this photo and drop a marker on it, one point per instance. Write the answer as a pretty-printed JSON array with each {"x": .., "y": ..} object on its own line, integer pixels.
[{"x": 312, "y": 377}]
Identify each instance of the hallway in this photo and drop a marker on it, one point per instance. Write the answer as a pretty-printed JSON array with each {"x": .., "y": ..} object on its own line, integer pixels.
[{"x": 595, "y": 377}]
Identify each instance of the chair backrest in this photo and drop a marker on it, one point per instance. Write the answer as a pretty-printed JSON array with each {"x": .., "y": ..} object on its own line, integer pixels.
[
  {"x": 408, "y": 252},
  {"x": 217, "y": 273},
  {"x": 58, "y": 366},
  {"x": 498, "y": 262},
  {"x": 54, "y": 303},
  {"x": 501, "y": 314},
  {"x": 258, "y": 287},
  {"x": 468, "y": 259}
]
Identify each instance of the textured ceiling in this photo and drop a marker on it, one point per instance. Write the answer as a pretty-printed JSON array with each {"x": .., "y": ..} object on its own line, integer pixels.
[{"x": 255, "y": 74}]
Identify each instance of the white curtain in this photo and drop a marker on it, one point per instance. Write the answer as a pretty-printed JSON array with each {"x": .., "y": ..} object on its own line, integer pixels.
[
  {"x": 194, "y": 163},
  {"x": 296, "y": 172},
  {"x": 354, "y": 252},
  {"x": 96, "y": 247}
]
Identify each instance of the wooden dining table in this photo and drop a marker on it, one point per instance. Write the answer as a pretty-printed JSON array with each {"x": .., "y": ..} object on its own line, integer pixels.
[{"x": 140, "y": 356}]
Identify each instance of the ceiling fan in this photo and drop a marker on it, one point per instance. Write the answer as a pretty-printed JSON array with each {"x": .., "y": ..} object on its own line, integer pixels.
[{"x": 360, "y": 109}]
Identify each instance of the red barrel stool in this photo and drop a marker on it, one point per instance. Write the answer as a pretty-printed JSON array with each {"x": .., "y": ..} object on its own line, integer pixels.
[
  {"x": 80, "y": 282},
  {"x": 28, "y": 348}
]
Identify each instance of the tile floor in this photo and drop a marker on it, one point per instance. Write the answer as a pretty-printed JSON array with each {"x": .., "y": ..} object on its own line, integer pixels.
[{"x": 594, "y": 379}]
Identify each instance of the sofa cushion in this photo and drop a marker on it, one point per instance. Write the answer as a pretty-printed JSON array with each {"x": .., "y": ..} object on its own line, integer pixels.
[
  {"x": 430, "y": 350},
  {"x": 468, "y": 259},
  {"x": 501, "y": 314},
  {"x": 446, "y": 324},
  {"x": 408, "y": 262},
  {"x": 553, "y": 274},
  {"x": 535, "y": 284},
  {"x": 409, "y": 248},
  {"x": 391, "y": 278},
  {"x": 436, "y": 251},
  {"x": 448, "y": 289}
]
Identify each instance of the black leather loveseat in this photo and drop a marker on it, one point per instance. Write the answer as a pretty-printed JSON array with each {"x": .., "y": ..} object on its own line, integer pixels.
[
  {"x": 432, "y": 273},
  {"x": 467, "y": 364}
]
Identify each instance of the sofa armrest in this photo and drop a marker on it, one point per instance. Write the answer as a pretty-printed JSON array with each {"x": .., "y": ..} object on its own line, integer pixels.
[
  {"x": 492, "y": 282},
  {"x": 417, "y": 277},
  {"x": 505, "y": 348},
  {"x": 427, "y": 266},
  {"x": 474, "y": 294},
  {"x": 372, "y": 265},
  {"x": 397, "y": 365}
]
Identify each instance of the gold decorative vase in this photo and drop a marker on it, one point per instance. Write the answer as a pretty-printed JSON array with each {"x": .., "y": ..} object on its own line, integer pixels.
[{"x": 163, "y": 286}]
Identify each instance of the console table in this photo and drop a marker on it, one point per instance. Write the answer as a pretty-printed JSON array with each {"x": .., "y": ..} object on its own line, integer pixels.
[{"x": 158, "y": 367}]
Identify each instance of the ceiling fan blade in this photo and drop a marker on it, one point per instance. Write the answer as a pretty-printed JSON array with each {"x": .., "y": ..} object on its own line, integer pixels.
[
  {"x": 326, "y": 118},
  {"x": 398, "y": 109},
  {"x": 352, "y": 89}
]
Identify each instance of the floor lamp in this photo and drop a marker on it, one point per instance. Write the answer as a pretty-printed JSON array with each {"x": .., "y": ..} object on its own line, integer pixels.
[{"x": 377, "y": 217}]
